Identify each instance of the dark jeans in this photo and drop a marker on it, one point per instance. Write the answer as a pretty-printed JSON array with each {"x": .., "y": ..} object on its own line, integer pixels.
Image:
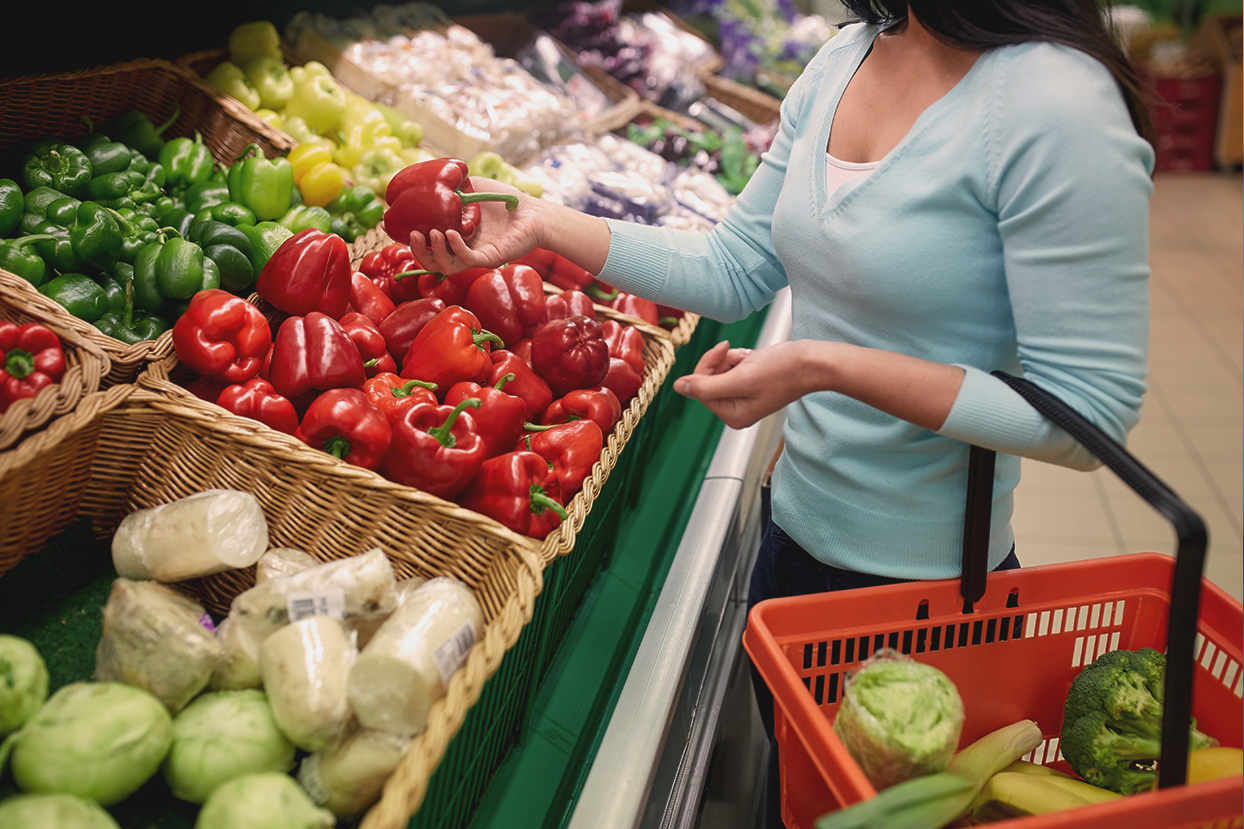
[{"x": 783, "y": 568}]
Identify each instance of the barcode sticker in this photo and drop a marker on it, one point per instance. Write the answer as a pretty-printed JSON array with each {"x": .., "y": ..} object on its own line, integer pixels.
[
  {"x": 310, "y": 780},
  {"x": 309, "y": 603},
  {"x": 453, "y": 651}
]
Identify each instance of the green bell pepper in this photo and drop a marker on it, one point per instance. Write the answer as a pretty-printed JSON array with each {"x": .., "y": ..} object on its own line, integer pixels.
[
  {"x": 232, "y": 214},
  {"x": 265, "y": 186},
  {"x": 125, "y": 325},
  {"x": 186, "y": 162},
  {"x": 270, "y": 79},
  {"x": 62, "y": 211},
  {"x": 78, "y": 294},
  {"x": 114, "y": 292},
  {"x": 376, "y": 167},
  {"x": 12, "y": 206},
  {"x": 153, "y": 171},
  {"x": 17, "y": 257},
  {"x": 356, "y": 211},
  {"x": 165, "y": 272},
  {"x": 265, "y": 238},
  {"x": 231, "y": 250},
  {"x": 53, "y": 163},
  {"x": 96, "y": 235},
  {"x": 409, "y": 132},
  {"x": 254, "y": 39},
  {"x": 178, "y": 219},
  {"x": 105, "y": 155},
  {"x": 122, "y": 185},
  {"x": 136, "y": 130},
  {"x": 57, "y": 251},
  {"x": 205, "y": 194},
  {"x": 37, "y": 200},
  {"x": 303, "y": 217},
  {"x": 131, "y": 245},
  {"x": 229, "y": 78}
]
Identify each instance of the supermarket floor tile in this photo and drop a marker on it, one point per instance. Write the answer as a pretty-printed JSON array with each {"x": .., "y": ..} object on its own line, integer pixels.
[{"x": 1191, "y": 427}]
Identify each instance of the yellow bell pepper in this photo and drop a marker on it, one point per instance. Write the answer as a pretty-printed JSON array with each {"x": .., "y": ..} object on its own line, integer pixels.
[
  {"x": 409, "y": 132},
  {"x": 413, "y": 155},
  {"x": 272, "y": 117},
  {"x": 321, "y": 184},
  {"x": 362, "y": 138},
  {"x": 376, "y": 167},
  {"x": 359, "y": 111},
  {"x": 307, "y": 156}
]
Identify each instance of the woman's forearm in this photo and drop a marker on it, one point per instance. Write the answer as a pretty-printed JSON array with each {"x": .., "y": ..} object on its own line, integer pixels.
[{"x": 581, "y": 238}]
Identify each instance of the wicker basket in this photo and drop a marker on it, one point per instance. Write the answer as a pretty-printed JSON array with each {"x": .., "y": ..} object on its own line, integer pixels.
[
  {"x": 42, "y": 480},
  {"x": 35, "y": 105},
  {"x": 86, "y": 365},
  {"x": 760, "y": 107}
]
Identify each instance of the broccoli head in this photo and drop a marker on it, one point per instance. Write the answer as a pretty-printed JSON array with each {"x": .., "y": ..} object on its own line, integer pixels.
[{"x": 1112, "y": 721}]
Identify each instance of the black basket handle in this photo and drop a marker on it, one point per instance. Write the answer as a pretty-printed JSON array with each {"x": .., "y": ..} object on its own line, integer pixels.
[{"x": 1189, "y": 558}]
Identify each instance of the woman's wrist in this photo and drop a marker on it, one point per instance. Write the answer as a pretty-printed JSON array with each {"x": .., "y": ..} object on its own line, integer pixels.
[{"x": 581, "y": 238}]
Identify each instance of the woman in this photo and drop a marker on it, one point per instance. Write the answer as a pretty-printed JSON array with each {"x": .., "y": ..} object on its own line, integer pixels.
[{"x": 957, "y": 187}]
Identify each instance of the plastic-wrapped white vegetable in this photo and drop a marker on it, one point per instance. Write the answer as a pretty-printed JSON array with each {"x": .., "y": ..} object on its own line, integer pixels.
[
  {"x": 238, "y": 667},
  {"x": 407, "y": 665},
  {"x": 349, "y": 777},
  {"x": 97, "y": 740},
  {"x": 355, "y": 589},
  {"x": 282, "y": 561},
  {"x": 153, "y": 640},
  {"x": 262, "y": 801},
  {"x": 305, "y": 666},
  {"x": 205, "y": 533},
  {"x": 220, "y": 737},
  {"x": 54, "y": 811},
  {"x": 405, "y": 589},
  {"x": 23, "y": 682}
]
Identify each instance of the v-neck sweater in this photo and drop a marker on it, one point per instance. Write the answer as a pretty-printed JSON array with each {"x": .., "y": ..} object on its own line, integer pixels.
[{"x": 1007, "y": 230}]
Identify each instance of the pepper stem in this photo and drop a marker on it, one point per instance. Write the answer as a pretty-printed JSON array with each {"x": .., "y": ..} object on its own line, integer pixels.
[
  {"x": 172, "y": 119},
  {"x": 19, "y": 363},
  {"x": 337, "y": 446},
  {"x": 371, "y": 363},
  {"x": 532, "y": 427},
  {"x": 668, "y": 322},
  {"x": 30, "y": 240},
  {"x": 245, "y": 152},
  {"x": 127, "y": 229},
  {"x": 482, "y": 337},
  {"x": 405, "y": 389},
  {"x": 405, "y": 274},
  {"x": 598, "y": 294},
  {"x": 500, "y": 384},
  {"x": 511, "y": 200},
  {"x": 540, "y": 501},
  {"x": 128, "y": 319},
  {"x": 444, "y": 433}
]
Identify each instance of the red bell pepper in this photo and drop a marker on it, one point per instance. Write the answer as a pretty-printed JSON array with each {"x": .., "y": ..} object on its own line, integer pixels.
[
  {"x": 669, "y": 316},
  {"x": 257, "y": 400},
  {"x": 509, "y": 302},
  {"x": 31, "y": 359},
  {"x": 626, "y": 359},
  {"x": 402, "y": 326},
  {"x": 526, "y": 383},
  {"x": 568, "y": 304},
  {"x": 368, "y": 299},
  {"x": 600, "y": 405},
  {"x": 519, "y": 490},
  {"x": 622, "y": 380},
  {"x": 370, "y": 343},
  {"x": 381, "y": 265},
  {"x": 572, "y": 448},
  {"x": 633, "y": 306},
  {"x": 436, "y": 195},
  {"x": 522, "y": 350},
  {"x": 393, "y": 395},
  {"x": 222, "y": 335},
  {"x": 437, "y": 449},
  {"x": 570, "y": 354},
  {"x": 500, "y": 415},
  {"x": 560, "y": 271},
  {"x": 310, "y": 271},
  {"x": 314, "y": 352},
  {"x": 451, "y": 289},
  {"x": 206, "y": 388},
  {"x": 344, "y": 423},
  {"x": 451, "y": 348}
]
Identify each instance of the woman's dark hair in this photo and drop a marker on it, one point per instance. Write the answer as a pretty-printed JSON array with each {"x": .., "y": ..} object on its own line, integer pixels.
[{"x": 981, "y": 24}]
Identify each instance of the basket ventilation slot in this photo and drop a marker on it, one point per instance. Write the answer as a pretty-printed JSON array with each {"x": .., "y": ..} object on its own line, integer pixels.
[{"x": 1045, "y": 753}]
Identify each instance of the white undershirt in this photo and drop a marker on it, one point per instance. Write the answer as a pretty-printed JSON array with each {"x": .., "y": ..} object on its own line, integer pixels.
[{"x": 838, "y": 173}]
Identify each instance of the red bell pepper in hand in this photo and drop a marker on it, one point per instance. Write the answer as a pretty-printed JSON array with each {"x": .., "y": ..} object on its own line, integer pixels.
[
  {"x": 222, "y": 335},
  {"x": 451, "y": 289},
  {"x": 437, "y": 449},
  {"x": 381, "y": 265},
  {"x": 600, "y": 405},
  {"x": 344, "y": 423},
  {"x": 451, "y": 348},
  {"x": 314, "y": 352},
  {"x": 402, "y": 326},
  {"x": 257, "y": 400},
  {"x": 368, "y": 299},
  {"x": 508, "y": 301},
  {"x": 370, "y": 343},
  {"x": 634, "y": 306},
  {"x": 570, "y": 354},
  {"x": 500, "y": 415},
  {"x": 526, "y": 383},
  {"x": 519, "y": 490},
  {"x": 310, "y": 271},
  {"x": 31, "y": 359},
  {"x": 436, "y": 195},
  {"x": 393, "y": 395},
  {"x": 568, "y": 304},
  {"x": 572, "y": 448}
]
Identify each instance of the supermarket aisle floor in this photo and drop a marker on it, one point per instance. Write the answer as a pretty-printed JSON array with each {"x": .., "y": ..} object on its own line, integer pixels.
[{"x": 1191, "y": 426}]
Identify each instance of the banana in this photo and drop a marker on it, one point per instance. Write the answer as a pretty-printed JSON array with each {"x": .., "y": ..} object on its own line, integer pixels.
[
  {"x": 1018, "y": 794},
  {"x": 1024, "y": 767}
]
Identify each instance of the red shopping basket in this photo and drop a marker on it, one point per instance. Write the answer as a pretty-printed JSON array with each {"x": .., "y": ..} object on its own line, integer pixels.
[{"x": 1013, "y": 652}]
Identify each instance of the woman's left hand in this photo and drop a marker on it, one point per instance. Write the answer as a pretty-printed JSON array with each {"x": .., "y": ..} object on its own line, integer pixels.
[{"x": 742, "y": 386}]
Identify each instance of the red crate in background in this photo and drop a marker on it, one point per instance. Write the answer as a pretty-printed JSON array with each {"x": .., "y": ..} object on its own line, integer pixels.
[{"x": 1185, "y": 118}]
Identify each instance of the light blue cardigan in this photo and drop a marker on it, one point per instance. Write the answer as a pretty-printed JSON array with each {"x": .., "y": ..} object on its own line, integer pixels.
[{"x": 1008, "y": 230}]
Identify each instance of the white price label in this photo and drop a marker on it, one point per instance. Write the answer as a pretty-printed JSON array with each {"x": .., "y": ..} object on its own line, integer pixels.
[
  {"x": 310, "y": 780},
  {"x": 451, "y": 653},
  {"x": 309, "y": 603}
]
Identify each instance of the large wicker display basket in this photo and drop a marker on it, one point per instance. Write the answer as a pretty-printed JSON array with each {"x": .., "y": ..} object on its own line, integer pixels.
[
  {"x": 86, "y": 365},
  {"x": 36, "y": 105}
]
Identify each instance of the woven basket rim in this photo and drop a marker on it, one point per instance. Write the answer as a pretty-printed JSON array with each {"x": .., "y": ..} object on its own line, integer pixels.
[{"x": 90, "y": 407}]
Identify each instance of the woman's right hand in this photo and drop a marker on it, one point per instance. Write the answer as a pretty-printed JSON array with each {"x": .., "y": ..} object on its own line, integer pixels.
[{"x": 502, "y": 235}]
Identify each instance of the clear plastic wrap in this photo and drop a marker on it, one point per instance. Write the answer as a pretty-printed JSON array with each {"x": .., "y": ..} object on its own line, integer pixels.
[
  {"x": 153, "y": 639},
  {"x": 238, "y": 667},
  {"x": 208, "y": 532},
  {"x": 282, "y": 561},
  {"x": 305, "y": 666},
  {"x": 348, "y": 777}
]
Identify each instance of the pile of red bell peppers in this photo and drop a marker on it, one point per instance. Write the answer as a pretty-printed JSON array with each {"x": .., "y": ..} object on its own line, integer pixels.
[{"x": 476, "y": 387}]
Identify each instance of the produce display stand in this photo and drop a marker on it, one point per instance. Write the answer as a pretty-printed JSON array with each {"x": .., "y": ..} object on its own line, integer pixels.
[{"x": 36, "y": 105}]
